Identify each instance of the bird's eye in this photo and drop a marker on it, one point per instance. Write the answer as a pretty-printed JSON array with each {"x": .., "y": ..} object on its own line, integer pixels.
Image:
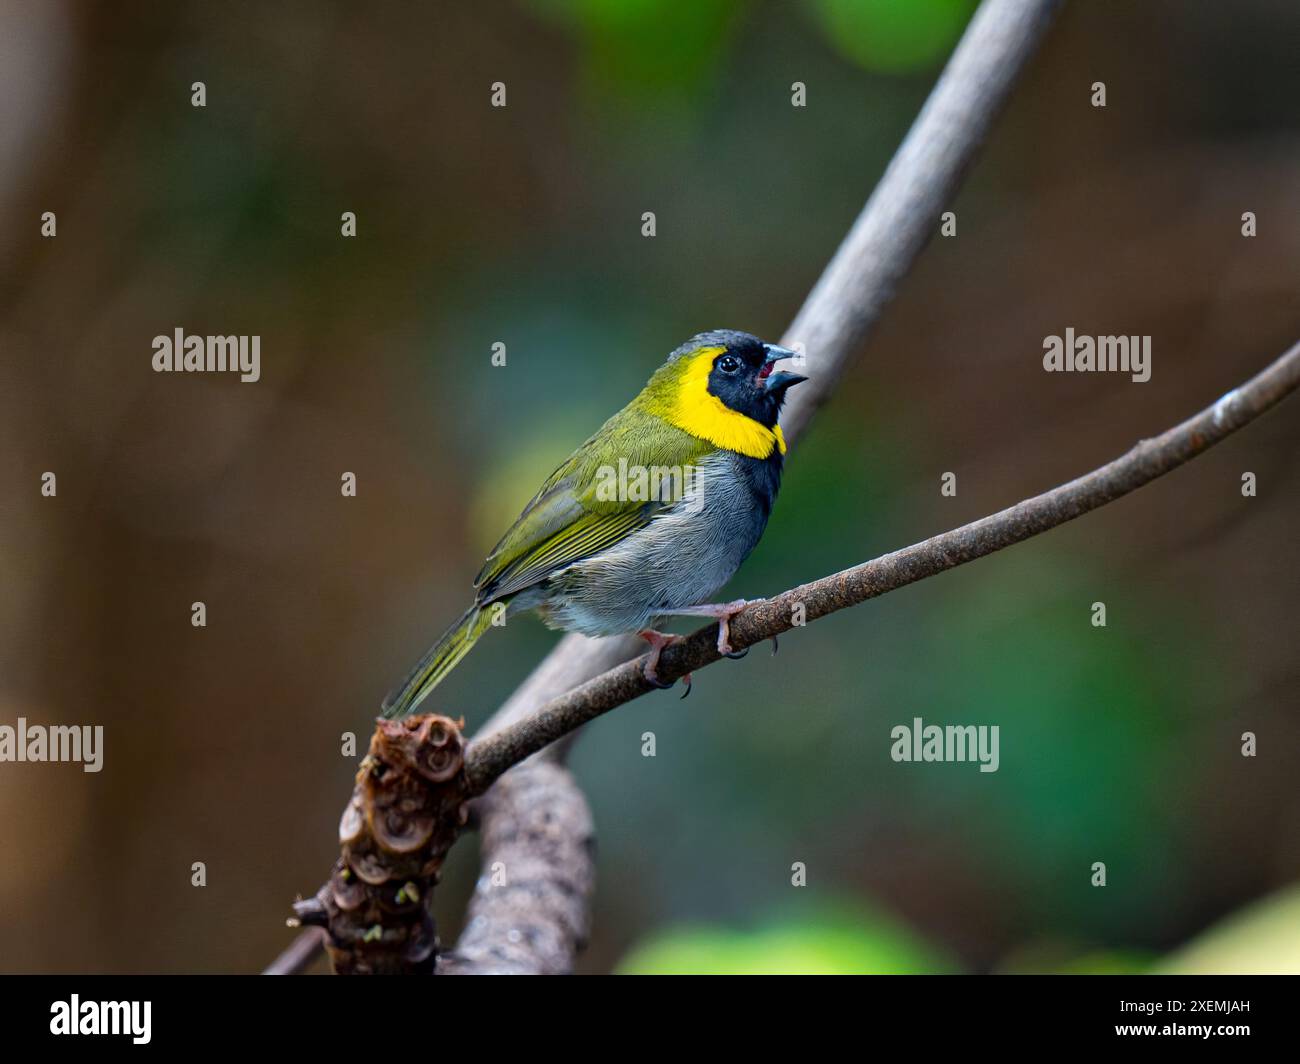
[{"x": 728, "y": 363}]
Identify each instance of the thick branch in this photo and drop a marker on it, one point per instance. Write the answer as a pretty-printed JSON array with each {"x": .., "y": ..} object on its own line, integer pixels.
[
  {"x": 529, "y": 912},
  {"x": 488, "y": 758}
]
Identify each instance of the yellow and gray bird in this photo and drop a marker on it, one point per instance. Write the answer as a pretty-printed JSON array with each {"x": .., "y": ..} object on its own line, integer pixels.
[{"x": 648, "y": 519}]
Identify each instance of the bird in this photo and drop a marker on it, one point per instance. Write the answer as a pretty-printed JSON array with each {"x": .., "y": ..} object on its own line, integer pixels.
[{"x": 646, "y": 520}]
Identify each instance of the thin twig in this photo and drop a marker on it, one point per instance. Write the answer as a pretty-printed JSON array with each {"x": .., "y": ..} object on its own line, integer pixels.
[
  {"x": 299, "y": 954},
  {"x": 488, "y": 758}
]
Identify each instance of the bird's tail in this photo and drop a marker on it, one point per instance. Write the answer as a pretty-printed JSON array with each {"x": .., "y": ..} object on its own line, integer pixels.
[{"x": 439, "y": 660}]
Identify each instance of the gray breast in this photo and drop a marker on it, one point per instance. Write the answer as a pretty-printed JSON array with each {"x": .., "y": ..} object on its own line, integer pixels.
[{"x": 682, "y": 558}]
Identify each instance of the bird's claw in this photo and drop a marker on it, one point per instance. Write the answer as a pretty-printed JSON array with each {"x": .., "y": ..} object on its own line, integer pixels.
[
  {"x": 735, "y": 655},
  {"x": 657, "y": 641},
  {"x": 654, "y": 681}
]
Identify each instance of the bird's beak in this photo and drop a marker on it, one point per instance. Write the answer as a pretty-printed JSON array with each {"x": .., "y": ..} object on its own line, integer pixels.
[{"x": 778, "y": 382}]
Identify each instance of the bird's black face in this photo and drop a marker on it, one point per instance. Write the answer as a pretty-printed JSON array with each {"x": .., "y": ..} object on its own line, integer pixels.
[{"x": 742, "y": 377}]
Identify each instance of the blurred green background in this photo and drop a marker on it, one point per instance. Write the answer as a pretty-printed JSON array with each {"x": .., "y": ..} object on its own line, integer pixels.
[{"x": 523, "y": 225}]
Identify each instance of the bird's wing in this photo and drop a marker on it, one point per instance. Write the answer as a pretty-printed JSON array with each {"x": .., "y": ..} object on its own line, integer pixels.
[
  {"x": 569, "y": 519},
  {"x": 588, "y": 534}
]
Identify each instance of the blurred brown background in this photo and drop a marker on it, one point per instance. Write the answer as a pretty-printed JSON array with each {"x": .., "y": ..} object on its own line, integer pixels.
[{"x": 522, "y": 226}]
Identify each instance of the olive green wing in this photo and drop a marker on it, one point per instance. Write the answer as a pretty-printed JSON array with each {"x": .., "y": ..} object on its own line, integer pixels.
[
  {"x": 588, "y": 533},
  {"x": 574, "y": 516}
]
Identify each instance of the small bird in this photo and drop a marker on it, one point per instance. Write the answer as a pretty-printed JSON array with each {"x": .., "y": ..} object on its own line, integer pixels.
[{"x": 646, "y": 520}]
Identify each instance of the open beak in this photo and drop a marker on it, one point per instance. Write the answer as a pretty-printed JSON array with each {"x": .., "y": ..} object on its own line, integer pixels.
[{"x": 778, "y": 382}]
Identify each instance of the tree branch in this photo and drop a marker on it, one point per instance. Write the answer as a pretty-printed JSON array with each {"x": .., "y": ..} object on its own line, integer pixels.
[
  {"x": 529, "y": 913},
  {"x": 299, "y": 954},
  {"x": 903, "y": 212},
  {"x": 408, "y": 806},
  {"x": 547, "y": 909},
  {"x": 486, "y": 759}
]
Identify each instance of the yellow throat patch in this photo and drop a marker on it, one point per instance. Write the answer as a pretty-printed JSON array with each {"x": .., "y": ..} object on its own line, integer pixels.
[{"x": 697, "y": 411}]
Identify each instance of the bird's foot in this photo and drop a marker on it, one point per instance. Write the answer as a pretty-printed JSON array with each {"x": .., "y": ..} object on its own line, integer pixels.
[
  {"x": 723, "y": 612},
  {"x": 658, "y": 641}
]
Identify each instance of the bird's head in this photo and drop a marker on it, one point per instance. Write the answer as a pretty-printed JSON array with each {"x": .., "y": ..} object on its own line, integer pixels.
[{"x": 735, "y": 368}]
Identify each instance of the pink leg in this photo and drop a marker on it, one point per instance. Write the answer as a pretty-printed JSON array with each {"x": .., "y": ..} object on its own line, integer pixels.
[{"x": 723, "y": 612}]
